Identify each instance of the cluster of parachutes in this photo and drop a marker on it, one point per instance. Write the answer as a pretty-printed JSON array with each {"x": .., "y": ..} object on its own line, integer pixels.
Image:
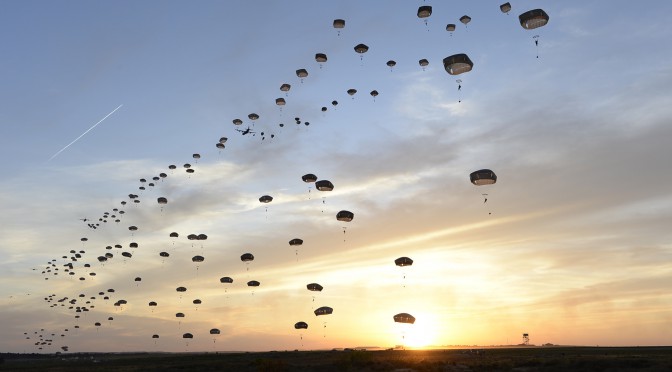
[{"x": 455, "y": 64}]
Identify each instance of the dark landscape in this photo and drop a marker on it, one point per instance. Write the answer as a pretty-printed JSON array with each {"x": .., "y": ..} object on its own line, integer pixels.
[{"x": 478, "y": 359}]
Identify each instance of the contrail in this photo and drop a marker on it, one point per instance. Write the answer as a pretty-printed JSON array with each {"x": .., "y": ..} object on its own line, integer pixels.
[{"x": 82, "y": 135}]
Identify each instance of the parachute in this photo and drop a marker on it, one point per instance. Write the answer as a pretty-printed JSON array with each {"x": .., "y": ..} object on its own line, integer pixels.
[
  {"x": 423, "y": 63},
  {"x": 424, "y": 12},
  {"x": 247, "y": 257},
  {"x": 505, "y": 8},
  {"x": 352, "y": 92},
  {"x": 280, "y": 102},
  {"x": 253, "y": 283},
  {"x": 162, "y": 201},
  {"x": 187, "y": 336},
  {"x": 338, "y": 25},
  {"x": 295, "y": 242},
  {"x": 404, "y": 318},
  {"x": 403, "y": 261},
  {"x": 253, "y": 116},
  {"x": 214, "y": 332},
  {"x": 345, "y": 216},
  {"x": 533, "y": 19},
  {"x": 361, "y": 49},
  {"x": 391, "y": 64},
  {"x": 225, "y": 280},
  {"x": 324, "y": 310},
  {"x": 483, "y": 177},
  {"x": 301, "y": 325},
  {"x": 457, "y": 64},
  {"x": 465, "y": 19},
  {"x": 309, "y": 178},
  {"x": 320, "y": 58},
  {"x": 324, "y": 185},
  {"x": 266, "y": 199},
  {"x": 314, "y": 287},
  {"x": 237, "y": 122},
  {"x": 301, "y": 73}
]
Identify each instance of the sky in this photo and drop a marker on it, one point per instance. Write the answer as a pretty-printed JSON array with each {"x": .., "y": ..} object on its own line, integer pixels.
[{"x": 572, "y": 246}]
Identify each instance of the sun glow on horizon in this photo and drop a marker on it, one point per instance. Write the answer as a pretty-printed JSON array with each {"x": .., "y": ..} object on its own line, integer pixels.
[{"x": 419, "y": 335}]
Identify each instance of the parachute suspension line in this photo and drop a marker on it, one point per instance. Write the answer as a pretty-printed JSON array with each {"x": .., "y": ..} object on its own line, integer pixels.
[
  {"x": 536, "y": 43},
  {"x": 485, "y": 200},
  {"x": 324, "y": 199},
  {"x": 324, "y": 329},
  {"x": 344, "y": 228},
  {"x": 459, "y": 90}
]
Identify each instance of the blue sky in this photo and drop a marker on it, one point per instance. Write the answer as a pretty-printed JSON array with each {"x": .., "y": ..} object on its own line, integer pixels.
[{"x": 575, "y": 251}]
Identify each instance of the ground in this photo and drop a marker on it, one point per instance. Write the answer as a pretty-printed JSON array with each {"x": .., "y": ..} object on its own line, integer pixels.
[{"x": 547, "y": 358}]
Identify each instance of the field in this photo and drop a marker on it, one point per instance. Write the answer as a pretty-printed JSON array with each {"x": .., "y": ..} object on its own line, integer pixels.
[{"x": 488, "y": 359}]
